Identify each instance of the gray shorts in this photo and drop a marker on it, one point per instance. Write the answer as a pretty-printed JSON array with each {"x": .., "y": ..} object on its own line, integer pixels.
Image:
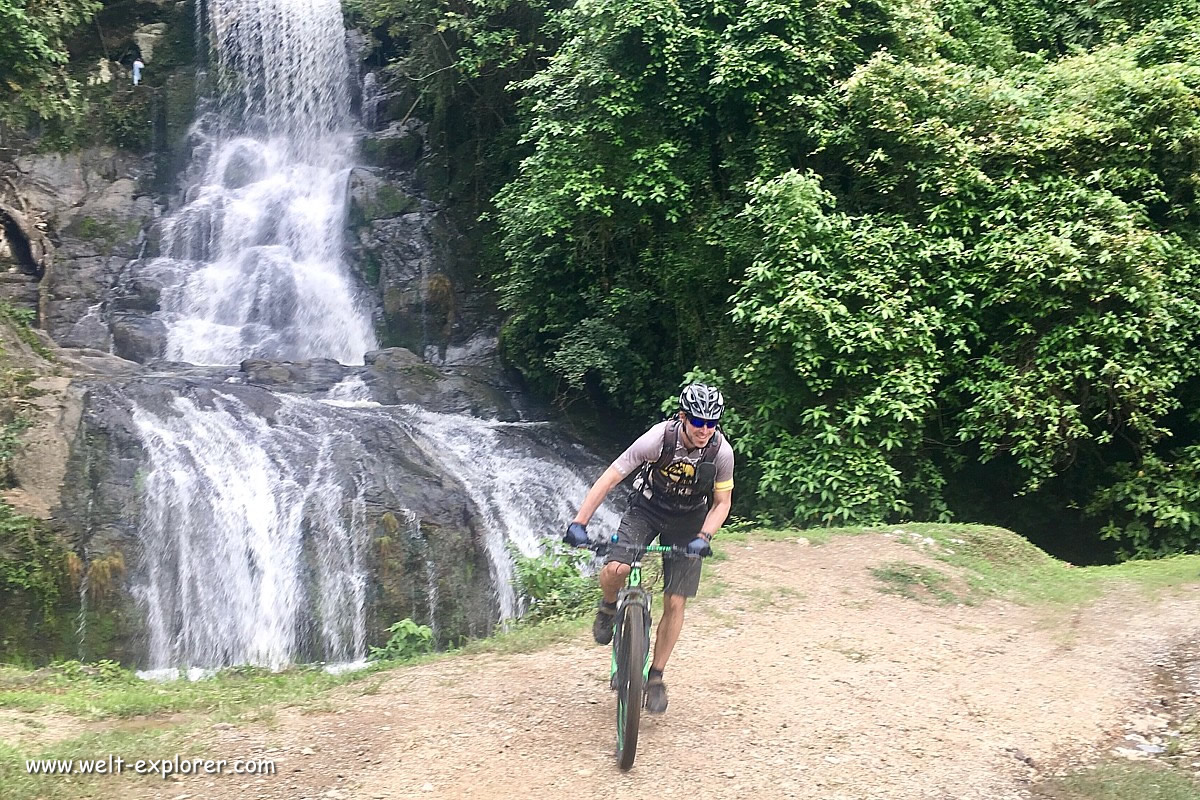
[{"x": 639, "y": 527}]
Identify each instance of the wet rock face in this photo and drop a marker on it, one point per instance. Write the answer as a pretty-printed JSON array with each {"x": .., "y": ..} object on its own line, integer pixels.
[
  {"x": 408, "y": 250},
  {"x": 135, "y": 337},
  {"x": 95, "y": 204},
  {"x": 398, "y": 147}
]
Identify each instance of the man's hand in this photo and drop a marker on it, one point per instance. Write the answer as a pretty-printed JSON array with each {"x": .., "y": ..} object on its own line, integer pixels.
[
  {"x": 576, "y": 535},
  {"x": 699, "y": 547}
]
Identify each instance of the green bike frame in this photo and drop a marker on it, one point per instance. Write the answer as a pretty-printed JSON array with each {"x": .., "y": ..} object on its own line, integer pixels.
[
  {"x": 634, "y": 595},
  {"x": 635, "y": 600}
]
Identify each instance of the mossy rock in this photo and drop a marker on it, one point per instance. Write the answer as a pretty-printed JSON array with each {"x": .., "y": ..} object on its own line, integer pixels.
[
  {"x": 387, "y": 201},
  {"x": 401, "y": 152}
]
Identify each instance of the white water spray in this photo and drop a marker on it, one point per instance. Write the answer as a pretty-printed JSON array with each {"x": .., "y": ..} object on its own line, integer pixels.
[
  {"x": 253, "y": 540},
  {"x": 256, "y": 253},
  {"x": 245, "y": 526}
]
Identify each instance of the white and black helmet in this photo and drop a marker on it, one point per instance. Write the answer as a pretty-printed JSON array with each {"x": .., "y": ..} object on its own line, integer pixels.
[{"x": 702, "y": 401}]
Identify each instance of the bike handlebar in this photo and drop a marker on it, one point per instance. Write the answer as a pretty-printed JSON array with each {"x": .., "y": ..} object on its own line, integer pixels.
[{"x": 601, "y": 548}]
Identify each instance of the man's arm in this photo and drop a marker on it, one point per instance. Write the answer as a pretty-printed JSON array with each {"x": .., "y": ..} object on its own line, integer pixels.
[
  {"x": 599, "y": 491},
  {"x": 722, "y": 502}
]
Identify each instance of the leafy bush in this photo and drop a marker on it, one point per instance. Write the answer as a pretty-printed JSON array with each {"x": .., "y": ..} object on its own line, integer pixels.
[
  {"x": 126, "y": 120},
  {"x": 32, "y": 558},
  {"x": 33, "y": 58},
  {"x": 104, "y": 671},
  {"x": 408, "y": 640},
  {"x": 555, "y": 585}
]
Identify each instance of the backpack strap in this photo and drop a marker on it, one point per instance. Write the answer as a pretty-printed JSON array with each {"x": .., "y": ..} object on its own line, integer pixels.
[
  {"x": 670, "y": 440},
  {"x": 706, "y": 470}
]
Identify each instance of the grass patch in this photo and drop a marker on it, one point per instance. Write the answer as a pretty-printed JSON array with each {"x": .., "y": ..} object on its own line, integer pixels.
[
  {"x": 522, "y": 638},
  {"x": 999, "y": 563},
  {"x": 1131, "y": 781},
  {"x": 743, "y": 532},
  {"x": 995, "y": 562},
  {"x": 17, "y": 784},
  {"x": 916, "y": 582},
  {"x": 118, "y": 693}
]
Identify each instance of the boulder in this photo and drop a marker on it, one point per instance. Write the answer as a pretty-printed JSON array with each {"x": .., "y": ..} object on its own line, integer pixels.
[
  {"x": 138, "y": 338},
  {"x": 149, "y": 38}
]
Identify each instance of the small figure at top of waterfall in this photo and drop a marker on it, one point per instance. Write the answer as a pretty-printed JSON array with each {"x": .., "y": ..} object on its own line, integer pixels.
[{"x": 138, "y": 66}]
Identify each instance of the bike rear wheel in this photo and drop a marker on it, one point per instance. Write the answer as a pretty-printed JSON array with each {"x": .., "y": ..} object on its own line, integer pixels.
[{"x": 631, "y": 661}]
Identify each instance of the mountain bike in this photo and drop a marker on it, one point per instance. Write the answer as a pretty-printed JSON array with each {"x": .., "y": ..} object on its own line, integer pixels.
[{"x": 631, "y": 646}]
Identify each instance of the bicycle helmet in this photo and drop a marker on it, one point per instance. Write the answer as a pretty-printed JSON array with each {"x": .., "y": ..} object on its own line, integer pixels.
[{"x": 702, "y": 401}]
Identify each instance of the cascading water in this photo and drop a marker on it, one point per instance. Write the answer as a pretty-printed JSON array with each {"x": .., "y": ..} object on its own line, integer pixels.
[
  {"x": 253, "y": 262},
  {"x": 235, "y": 507},
  {"x": 259, "y": 510},
  {"x": 254, "y": 522},
  {"x": 515, "y": 494}
]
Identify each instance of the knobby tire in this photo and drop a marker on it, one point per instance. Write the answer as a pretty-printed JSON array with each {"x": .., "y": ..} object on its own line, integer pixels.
[{"x": 631, "y": 661}]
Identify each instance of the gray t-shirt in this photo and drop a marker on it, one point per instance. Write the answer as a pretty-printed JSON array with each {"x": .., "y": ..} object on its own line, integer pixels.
[{"x": 649, "y": 446}]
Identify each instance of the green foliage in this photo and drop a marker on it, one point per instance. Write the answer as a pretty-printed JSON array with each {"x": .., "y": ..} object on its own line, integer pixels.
[
  {"x": 33, "y": 57},
  {"x": 843, "y": 358},
  {"x": 455, "y": 59},
  {"x": 408, "y": 640},
  {"x": 32, "y": 559},
  {"x": 1153, "y": 508},
  {"x": 21, "y": 320},
  {"x": 103, "y": 690},
  {"x": 555, "y": 585},
  {"x": 1124, "y": 780},
  {"x": 103, "y": 671},
  {"x": 641, "y": 126},
  {"x": 933, "y": 249},
  {"x": 125, "y": 120}
]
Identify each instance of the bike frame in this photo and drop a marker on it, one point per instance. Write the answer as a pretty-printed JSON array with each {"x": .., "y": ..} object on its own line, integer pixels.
[{"x": 631, "y": 597}]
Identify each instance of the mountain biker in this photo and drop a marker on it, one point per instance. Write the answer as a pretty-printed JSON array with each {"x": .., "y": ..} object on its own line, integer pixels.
[{"x": 683, "y": 495}]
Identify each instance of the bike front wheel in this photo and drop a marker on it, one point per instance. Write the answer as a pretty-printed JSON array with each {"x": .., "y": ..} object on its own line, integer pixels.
[{"x": 632, "y": 652}]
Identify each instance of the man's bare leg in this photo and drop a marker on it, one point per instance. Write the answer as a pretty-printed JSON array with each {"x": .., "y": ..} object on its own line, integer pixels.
[{"x": 668, "y": 629}]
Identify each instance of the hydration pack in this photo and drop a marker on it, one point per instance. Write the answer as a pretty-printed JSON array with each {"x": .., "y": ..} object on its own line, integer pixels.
[{"x": 655, "y": 484}]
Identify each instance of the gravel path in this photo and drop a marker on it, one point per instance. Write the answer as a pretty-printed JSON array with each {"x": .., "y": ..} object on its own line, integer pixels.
[{"x": 794, "y": 677}]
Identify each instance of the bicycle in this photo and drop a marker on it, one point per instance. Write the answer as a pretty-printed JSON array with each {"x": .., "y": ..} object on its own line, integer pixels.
[{"x": 630, "y": 667}]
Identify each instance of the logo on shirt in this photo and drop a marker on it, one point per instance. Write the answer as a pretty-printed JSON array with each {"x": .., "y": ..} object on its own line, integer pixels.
[{"x": 681, "y": 472}]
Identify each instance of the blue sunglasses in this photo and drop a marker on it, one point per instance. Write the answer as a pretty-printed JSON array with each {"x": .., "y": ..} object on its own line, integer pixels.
[{"x": 701, "y": 423}]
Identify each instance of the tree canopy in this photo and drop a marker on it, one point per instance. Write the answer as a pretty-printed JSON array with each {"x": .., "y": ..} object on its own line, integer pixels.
[{"x": 941, "y": 255}]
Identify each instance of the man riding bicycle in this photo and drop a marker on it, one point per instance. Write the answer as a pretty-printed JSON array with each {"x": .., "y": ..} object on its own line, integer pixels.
[{"x": 683, "y": 495}]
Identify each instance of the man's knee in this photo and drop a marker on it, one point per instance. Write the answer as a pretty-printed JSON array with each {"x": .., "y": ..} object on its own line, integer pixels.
[
  {"x": 673, "y": 603},
  {"x": 614, "y": 571}
]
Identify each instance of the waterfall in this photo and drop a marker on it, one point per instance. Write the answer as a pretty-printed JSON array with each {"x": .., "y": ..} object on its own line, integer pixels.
[
  {"x": 259, "y": 509},
  {"x": 254, "y": 529},
  {"x": 254, "y": 258},
  {"x": 245, "y": 526}
]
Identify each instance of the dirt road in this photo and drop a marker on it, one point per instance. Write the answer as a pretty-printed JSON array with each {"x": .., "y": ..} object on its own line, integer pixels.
[{"x": 794, "y": 677}]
